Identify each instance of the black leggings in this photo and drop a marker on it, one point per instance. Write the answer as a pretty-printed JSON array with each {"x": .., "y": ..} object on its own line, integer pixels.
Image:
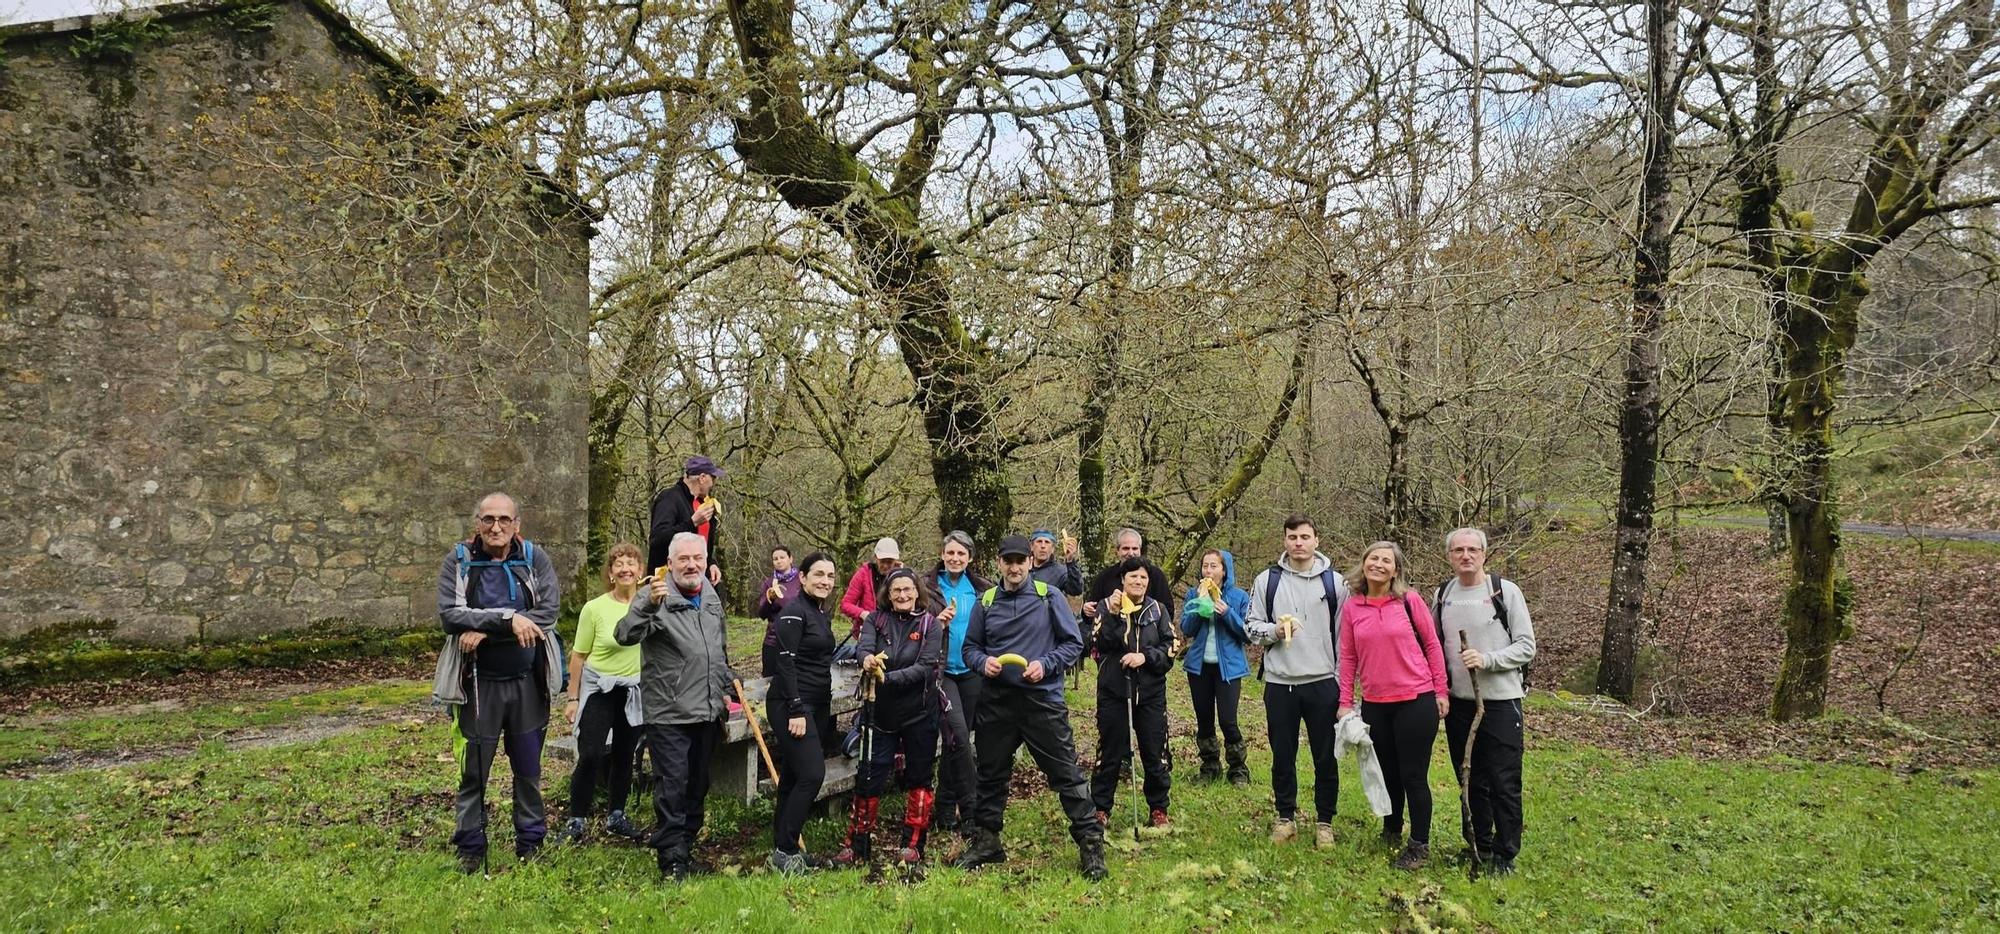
[
  {"x": 801, "y": 771},
  {"x": 1215, "y": 699},
  {"x": 958, "y": 776},
  {"x": 603, "y": 713},
  {"x": 1404, "y": 732}
]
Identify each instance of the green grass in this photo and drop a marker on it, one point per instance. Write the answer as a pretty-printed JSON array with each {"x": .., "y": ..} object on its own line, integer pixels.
[
  {"x": 349, "y": 833},
  {"x": 37, "y": 738}
]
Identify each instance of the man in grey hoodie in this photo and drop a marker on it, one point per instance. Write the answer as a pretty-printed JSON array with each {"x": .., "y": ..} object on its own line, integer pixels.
[
  {"x": 1293, "y": 606},
  {"x": 684, "y": 680}
]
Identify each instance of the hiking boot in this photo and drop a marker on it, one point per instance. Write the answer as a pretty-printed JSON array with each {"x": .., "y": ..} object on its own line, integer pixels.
[
  {"x": 572, "y": 831},
  {"x": 1160, "y": 817},
  {"x": 916, "y": 825},
  {"x": 529, "y": 852},
  {"x": 673, "y": 869},
  {"x": 1211, "y": 758},
  {"x": 1284, "y": 830},
  {"x": 471, "y": 862},
  {"x": 981, "y": 849},
  {"x": 1322, "y": 835},
  {"x": 853, "y": 853},
  {"x": 1414, "y": 856},
  {"x": 620, "y": 825},
  {"x": 789, "y": 864},
  {"x": 1499, "y": 866},
  {"x": 1239, "y": 764},
  {"x": 1090, "y": 858},
  {"x": 860, "y": 830},
  {"x": 1391, "y": 839}
]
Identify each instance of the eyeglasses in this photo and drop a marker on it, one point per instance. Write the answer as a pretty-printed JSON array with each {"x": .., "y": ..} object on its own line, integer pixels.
[{"x": 490, "y": 521}]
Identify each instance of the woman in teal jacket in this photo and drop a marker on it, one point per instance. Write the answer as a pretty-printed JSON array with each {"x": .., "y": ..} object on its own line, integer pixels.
[{"x": 1212, "y": 619}]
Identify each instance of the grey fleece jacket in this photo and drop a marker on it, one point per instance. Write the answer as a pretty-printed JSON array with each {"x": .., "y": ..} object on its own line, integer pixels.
[
  {"x": 1466, "y": 615},
  {"x": 684, "y": 673},
  {"x": 1309, "y": 655}
]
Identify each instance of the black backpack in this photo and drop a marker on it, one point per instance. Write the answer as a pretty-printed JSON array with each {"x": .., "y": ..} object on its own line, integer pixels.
[{"x": 1498, "y": 599}]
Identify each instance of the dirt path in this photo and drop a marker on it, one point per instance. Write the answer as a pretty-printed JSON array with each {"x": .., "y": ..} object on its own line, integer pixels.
[
  {"x": 305, "y": 730},
  {"x": 1876, "y": 528}
]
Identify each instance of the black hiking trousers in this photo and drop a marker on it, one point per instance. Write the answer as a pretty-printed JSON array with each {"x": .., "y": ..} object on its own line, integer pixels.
[{"x": 1495, "y": 796}]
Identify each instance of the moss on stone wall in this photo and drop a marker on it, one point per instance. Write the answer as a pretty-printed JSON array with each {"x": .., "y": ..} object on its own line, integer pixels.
[{"x": 49, "y": 657}]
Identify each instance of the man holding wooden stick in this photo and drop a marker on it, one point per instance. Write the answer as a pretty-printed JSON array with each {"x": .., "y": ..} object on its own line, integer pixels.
[
  {"x": 676, "y": 620},
  {"x": 1483, "y": 621}
]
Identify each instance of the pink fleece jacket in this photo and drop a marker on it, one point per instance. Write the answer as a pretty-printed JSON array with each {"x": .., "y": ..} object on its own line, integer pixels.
[
  {"x": 859, "y": 599},
  {"x": 1391, "y": 644}
]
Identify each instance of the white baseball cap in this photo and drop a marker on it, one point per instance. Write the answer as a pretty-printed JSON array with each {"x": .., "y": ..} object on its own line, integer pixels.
[{"x": 887, "y": 548}]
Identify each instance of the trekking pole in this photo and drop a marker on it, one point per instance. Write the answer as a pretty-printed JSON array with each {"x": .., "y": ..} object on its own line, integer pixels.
[
  {"x": 1465, "y": 774},
  {"x": 1132, "y": 716}
]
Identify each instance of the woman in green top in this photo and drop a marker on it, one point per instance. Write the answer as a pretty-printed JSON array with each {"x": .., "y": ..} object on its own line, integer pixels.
[{"x": 604, "y": 699}]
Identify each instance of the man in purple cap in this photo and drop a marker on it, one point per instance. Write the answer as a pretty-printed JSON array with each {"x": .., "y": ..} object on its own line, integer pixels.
[{"x": 688, "y": 506}]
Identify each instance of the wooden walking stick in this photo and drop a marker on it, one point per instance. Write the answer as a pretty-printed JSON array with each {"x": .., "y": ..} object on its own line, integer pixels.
[
  {"x": 756, "y": 731},
  {"x": 1465, "y": 770}
]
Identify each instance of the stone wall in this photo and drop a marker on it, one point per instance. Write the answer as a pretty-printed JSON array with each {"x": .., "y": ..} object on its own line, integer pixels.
[{"x": 186, "y": 454}]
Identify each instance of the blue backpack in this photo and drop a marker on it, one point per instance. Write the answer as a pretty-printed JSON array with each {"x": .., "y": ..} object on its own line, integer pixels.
[{"x": 526, "y": 564}]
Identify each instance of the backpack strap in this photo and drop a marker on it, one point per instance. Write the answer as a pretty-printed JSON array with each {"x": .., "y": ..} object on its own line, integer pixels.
[
  {"x": 1500, "y": 605},
  {"x": 1271, "y": 579},
  {"x": 1411, "y": 615}
]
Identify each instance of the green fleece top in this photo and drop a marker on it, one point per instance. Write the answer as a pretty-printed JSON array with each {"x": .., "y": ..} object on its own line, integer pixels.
[{"x": 594, "y": 628}]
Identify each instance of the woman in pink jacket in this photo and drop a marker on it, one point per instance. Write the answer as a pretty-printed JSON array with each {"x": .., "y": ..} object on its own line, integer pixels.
[{"x": 1389, "y": 649}]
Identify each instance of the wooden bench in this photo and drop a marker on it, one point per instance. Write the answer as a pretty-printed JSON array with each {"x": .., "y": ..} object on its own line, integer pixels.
[{"x": 738, "y": 769}]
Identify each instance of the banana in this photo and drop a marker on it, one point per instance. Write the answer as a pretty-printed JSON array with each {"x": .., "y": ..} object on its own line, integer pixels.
[{"x": 1013, "y": 659}]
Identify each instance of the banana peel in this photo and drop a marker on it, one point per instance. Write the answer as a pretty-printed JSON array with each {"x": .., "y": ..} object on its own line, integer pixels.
[
  {"x": 1125, "y": 605},
  {"x": 1012, "y": 659}
]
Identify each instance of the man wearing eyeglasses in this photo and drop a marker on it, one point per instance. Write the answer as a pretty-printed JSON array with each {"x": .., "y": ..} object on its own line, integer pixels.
[{"x": 500, "y": 670}]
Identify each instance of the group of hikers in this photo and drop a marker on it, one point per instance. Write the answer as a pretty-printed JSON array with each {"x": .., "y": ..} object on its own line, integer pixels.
[{"x": 959, "y": 671}]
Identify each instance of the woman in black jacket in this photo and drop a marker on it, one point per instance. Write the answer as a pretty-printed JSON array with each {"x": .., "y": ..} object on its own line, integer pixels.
[
  {"x": 798, "y": 704},
  {"x": 1135, "y": 639},
  {"x": 902, "y": 645}
]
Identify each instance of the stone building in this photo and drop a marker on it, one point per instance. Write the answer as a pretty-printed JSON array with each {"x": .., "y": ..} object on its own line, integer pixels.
[{"x": 265, "y": 331}]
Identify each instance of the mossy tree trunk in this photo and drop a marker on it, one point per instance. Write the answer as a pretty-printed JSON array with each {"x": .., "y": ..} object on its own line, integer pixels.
[
  {"x": 1935, "y": 93},
  {"x": 781, "y": 141}
]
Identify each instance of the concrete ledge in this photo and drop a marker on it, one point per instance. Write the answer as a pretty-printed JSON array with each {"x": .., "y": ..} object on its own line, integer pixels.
[{"x": 738, "y": 769}]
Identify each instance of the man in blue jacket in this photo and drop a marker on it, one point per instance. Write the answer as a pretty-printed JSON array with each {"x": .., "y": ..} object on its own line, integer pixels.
[{"x": 1024, "y": 704}]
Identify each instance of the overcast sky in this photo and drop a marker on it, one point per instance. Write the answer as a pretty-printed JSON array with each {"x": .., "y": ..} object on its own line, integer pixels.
[{"x": 31, "y": 11}]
